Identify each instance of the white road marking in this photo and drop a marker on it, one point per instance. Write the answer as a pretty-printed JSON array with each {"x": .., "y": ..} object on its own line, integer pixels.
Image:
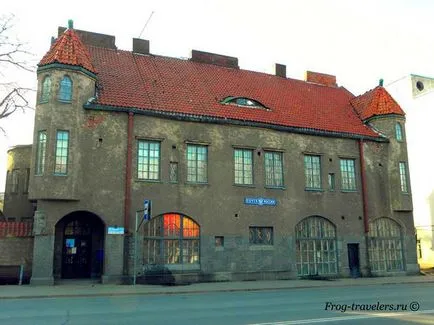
[{"x": 346, "y": 318}]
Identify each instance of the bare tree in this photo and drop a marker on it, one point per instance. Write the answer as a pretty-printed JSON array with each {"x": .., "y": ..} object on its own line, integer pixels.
[{"x": 13, "y": 56}]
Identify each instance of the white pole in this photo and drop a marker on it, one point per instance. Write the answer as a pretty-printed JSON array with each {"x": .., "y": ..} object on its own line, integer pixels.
[{"x": 135, "y": 251}]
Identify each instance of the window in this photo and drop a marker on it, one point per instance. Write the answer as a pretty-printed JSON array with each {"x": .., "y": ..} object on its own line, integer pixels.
[
  {"x": 219, "y": 241},
  {"x": 40, "y": 154},
  {"x": 385, "y": 245},
  {"x": 243, "y": 160},
  {"x": 316, "y": 246},
  {"x": 14, "y": 183},
  {"x": 46, "y": 90},
  {"x": 173, "y": 172},
  {"x": 398, "y": 132},
  {"x": 197, "y": 163},
  {"x": 261, "y": 235},
  {"x": 242, "y": 101},
  {"x": 65, "y": 90},
  {"x": 148, "y": 160},
  {"x": 348, "y": 174},
  {"x": 273, "y": 169},
  {"x": 403, "y": 177},
  {"x": 26, "y": 181},
  {"x": 332, "y": 182},
  {"x": 62, "y": 144},
  {"x": 312, "y": 171},
  {"x": 171, "y": 238}
]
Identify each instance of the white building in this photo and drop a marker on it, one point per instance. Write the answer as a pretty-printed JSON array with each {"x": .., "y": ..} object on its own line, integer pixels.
[{"x": 415, "y": 94}]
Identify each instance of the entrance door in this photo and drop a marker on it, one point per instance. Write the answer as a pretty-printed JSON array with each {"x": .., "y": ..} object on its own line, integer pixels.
[
  {"x": 76, "y": 257},
  {"x": 353, "y": 260}
]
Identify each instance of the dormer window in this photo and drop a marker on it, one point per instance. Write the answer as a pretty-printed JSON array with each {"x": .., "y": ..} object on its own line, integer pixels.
[
  {"x": 65, "y": 90},
  {"x": 243, "y": 101},
  {"x": 46, "y": 90}
]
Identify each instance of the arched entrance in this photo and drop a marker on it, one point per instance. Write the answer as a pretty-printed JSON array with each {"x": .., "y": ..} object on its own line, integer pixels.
[
  {"x": 79, "y": 246},
  {"x": 316, "y": 247}
]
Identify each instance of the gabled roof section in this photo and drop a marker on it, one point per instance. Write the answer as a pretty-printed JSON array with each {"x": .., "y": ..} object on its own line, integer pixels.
[
  {"x": 375, "y": 102},
  {"x": 69, "y": 49},
  {"x": 185, "y": 88}
]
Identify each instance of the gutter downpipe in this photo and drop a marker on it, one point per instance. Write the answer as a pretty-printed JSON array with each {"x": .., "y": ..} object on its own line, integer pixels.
[
  {"x": 365, "y": 204},
  {"x": 127, "y": 201}
]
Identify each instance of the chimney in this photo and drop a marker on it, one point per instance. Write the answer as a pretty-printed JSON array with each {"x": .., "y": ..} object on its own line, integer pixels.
[
  {"x": 216, "y": 59},
  {"x": 281, "y": 70},
  {"x": 91, "y": 38},
  {"x": 140, "y": 46},
  {"x": 321, "y": 79}
]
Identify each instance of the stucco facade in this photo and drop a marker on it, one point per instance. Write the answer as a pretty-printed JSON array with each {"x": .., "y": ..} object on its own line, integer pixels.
[{"x": 303, "y": 231}]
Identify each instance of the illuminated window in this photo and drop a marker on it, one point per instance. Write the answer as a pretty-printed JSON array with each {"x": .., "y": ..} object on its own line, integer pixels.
[
  {"x": 172, "y": 238},
  {"x": 65, "y": 90},
  {"x": 273, "y": 169},
  {"x": 398, "y": 132},
  {"x": 348, "y": 174},
  {"x": 243, "y": 163},
  {"x": 62, "y": 144},
  {"x": 197, "y": 163},
  {"x": 316, "y": 247},
  {"x": 40, "y": 153},
  {"x": 148, "y": 160},
  {"x": 312, "y": 171},
  {"x": 385, "y": 245},
  {"x": 261, "y": 235},
  {"x": 46, "y": 90},
  {"x": 403, "y": 176},
  {"x": 243, "y": 101}
]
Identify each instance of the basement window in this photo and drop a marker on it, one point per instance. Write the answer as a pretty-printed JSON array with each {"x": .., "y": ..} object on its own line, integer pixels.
[{"x": 243, "y": 101}]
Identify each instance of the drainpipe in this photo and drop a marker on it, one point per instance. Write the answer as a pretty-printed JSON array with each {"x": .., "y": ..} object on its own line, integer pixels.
[
  {"x": 365, "y": 203},
  {"x": 127, "y": 203}
]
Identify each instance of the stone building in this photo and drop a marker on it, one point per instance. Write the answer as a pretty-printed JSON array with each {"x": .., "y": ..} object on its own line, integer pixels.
[{"x": 250, "y": 175}]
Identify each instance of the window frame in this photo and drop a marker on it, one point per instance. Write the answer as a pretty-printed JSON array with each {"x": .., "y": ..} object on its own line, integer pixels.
[
  {"x": 399, "y": 134},
  {"x": 41, "y": 152},
  {"x": 196, "y": 168},
  {"x": 273, "y": 154},
  {"x": 45, "y": 90},
  {"x": 345, "y": 180},
  {"x": 309, "y": 168},
  {"x": 63, "y": 95},
  {"x": 253, "y": 239},
  {"x": 15, "y": 181},
  {"x": 56, "y": 155},
  {"x": 403, "y": 177},
  {"x": 149, "y": 142},
  {"x": 243, "y": 165}
]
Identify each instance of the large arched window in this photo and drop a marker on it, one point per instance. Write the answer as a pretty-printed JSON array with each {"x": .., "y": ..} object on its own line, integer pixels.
[
  {"x": 46, "y": 90},
  {"x": 385, "y": 245},
  {"x": 316, "y": 247},
  {"x": 398, "y": 132},
  {"x": 171, "y": 238},
  {"x": 65, "y": 90}
]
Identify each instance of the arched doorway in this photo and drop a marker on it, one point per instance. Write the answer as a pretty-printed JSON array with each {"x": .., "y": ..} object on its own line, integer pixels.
[
  {"x": 79, "y": 246},
  {"x": 316, "y": 247},
  {"x": 385, "y": 245}
]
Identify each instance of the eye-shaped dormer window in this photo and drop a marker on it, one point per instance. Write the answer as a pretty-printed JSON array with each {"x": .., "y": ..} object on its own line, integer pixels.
[
  {"x": 65, "y": 90},
  {"x": 46, "y": 90},
  {"x": 243, "y": 101}
]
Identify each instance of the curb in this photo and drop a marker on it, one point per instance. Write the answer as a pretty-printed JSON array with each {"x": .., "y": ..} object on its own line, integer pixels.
[{"x": 161, "y": 293}]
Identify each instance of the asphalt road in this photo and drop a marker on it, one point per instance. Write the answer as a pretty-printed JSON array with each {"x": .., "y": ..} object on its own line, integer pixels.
[{"x": 294, "y": 306}]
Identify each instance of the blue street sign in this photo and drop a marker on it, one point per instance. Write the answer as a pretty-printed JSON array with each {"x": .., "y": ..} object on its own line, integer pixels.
[
  {"x": 147, "y": 210},
  {"x": 261, "y": 201}
]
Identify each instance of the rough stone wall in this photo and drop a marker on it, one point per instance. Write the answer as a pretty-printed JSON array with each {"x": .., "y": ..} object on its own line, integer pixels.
[{"x": 17, "y": 251}]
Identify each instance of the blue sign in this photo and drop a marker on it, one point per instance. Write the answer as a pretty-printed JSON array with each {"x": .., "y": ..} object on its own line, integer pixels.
[
  {"x": 261, "y": 201},
  {"x": 147, "y": 210},
  {"x": 115, "y": 230}
]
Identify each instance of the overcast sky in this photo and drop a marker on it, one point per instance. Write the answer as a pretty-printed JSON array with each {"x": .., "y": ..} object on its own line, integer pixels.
[{"x": 358, "y": 41}]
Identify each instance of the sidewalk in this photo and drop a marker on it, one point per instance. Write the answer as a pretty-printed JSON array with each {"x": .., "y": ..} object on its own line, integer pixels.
[{"x": 95, "y": 290}]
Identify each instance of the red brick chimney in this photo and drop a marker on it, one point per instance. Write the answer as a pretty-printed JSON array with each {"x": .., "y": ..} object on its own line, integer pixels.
[{"x": 321, "y": 79}]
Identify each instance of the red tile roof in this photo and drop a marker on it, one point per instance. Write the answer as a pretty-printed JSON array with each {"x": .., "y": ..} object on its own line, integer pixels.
[
  {"x": 375, "y": 102},
  {"x": 68, "y": 49},
  {"x": 182, "y": 86}
]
